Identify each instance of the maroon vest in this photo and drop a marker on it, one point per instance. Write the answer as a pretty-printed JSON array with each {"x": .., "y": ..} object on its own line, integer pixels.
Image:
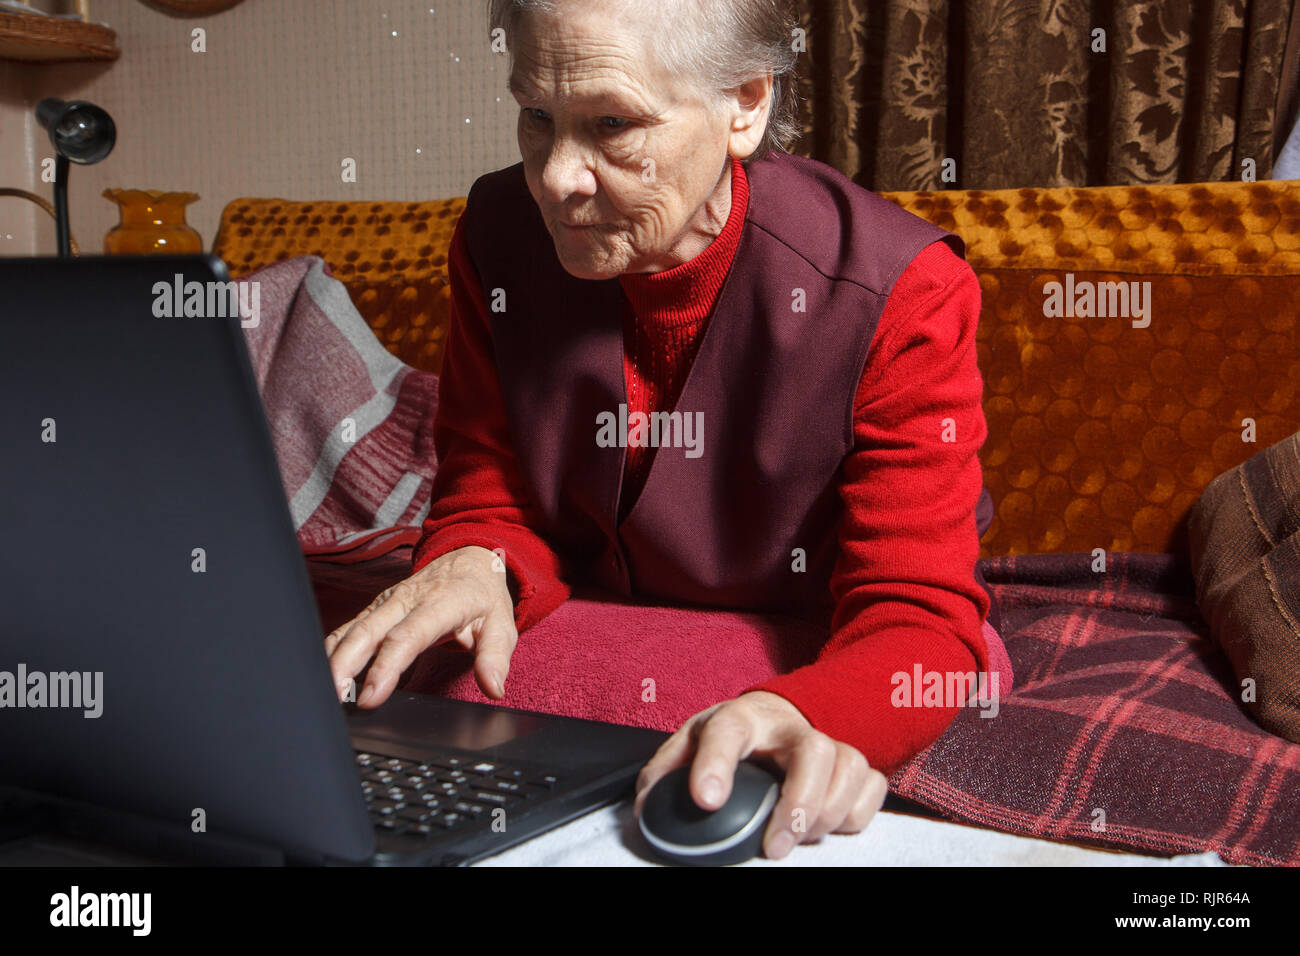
[{"x": 776, "y": 388}]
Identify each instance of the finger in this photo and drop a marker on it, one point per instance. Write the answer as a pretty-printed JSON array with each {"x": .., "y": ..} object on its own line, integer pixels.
[
  {"x": 460, "y": 641},
  {"x": 332, "y": 639},
  {"x": 802, "y": 795},
  {"x": 335, "y": 636},
  {"x": 674, "y": 752},
  {"x": 847, "y": 782},
  {"x": 362, "y": 634},
  {"x": 725, "y": 739},
  {"x": 494, "y": 643},
  {"x": 428, "y": 623},
  {"x": 463, "y": 639},
  {"x": 870, "y": 799}
]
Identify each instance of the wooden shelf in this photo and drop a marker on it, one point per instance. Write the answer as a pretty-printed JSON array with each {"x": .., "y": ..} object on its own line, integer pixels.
[{"x": 36, "y": 39}]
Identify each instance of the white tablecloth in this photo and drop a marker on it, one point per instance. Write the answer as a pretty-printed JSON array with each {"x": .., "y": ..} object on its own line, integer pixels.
[{"x": 609, "y": 837}]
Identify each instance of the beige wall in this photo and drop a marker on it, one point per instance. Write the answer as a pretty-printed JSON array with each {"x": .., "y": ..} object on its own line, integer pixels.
[{"x": 285, "y": 91}]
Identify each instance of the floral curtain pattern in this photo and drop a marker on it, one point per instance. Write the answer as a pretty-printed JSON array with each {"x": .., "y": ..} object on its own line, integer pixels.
[{"x": 1011, "y": 93}]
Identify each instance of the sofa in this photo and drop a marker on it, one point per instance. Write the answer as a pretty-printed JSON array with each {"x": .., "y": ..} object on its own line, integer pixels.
[{"x": 1136, "y": 342}]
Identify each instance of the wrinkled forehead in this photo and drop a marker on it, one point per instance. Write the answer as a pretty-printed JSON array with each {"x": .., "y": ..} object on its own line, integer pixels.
[{"x": 594, "y": 50}]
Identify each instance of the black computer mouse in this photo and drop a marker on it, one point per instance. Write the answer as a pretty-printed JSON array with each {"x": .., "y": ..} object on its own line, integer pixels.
[{"x": 678, "y": 829}]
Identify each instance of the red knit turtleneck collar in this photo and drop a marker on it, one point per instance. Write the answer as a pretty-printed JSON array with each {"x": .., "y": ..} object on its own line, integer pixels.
[{"x": 685, "y": 294}]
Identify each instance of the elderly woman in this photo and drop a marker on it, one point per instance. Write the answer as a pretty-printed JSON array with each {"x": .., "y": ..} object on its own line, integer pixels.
[{"x": 657, "y": 251}]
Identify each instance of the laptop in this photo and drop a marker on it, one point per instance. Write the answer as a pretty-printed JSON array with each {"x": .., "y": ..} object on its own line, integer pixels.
[{"x": 163, "y": 678}]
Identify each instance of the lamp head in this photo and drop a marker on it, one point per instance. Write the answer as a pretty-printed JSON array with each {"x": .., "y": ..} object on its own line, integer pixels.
[{"x": 81, "y": 131}]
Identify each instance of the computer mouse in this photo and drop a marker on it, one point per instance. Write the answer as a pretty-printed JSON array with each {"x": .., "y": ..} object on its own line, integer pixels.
[{"x": 677, "y": 828}]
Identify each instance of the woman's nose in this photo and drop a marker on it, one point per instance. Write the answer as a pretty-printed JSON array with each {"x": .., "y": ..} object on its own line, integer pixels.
[{"x": 567, "y": 171}]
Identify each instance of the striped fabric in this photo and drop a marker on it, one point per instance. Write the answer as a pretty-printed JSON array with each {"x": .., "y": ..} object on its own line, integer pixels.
[
  {"x": 352, "y": 425},
  {"x": 1123, "y": 729}
]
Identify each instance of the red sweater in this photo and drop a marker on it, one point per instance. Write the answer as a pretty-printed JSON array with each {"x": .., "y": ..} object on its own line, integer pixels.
[{"x": 904, "y": 586}]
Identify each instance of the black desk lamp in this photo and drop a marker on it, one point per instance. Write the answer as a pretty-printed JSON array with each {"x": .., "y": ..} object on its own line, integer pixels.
[{"x": 81, "y": 133}]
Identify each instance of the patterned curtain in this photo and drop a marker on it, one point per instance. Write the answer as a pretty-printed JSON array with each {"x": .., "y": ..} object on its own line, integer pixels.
[{"x": 1010, "y": 93}]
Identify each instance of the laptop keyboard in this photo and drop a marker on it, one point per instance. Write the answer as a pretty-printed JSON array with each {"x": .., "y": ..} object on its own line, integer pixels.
[{"x": 425, "y": 798}]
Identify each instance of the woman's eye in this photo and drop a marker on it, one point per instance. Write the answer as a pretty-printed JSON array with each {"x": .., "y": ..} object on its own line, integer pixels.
[
  {"x": 613, "y": 124},
  {"x": 537, "y": 116}
]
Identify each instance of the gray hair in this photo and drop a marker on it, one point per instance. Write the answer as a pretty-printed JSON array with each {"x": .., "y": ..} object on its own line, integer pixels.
[{"x": 721, "y": 44}]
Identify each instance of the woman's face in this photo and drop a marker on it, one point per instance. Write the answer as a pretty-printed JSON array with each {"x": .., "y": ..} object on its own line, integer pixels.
[{"x": 619, "y": 156}]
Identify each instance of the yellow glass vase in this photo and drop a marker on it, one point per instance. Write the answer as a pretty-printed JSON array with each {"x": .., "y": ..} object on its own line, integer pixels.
[{"x": 152, "y": 222}]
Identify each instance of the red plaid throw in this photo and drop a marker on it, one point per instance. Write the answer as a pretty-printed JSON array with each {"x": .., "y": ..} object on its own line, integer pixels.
[{"x": 1125, "y": 727}]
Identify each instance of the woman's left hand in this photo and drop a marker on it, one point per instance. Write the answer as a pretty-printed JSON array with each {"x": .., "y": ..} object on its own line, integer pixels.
[{"x": 828, "y": 787}]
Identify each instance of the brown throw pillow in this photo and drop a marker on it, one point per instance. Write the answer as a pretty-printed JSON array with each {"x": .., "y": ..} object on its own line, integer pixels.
[{"x": 1244, "y": 536}]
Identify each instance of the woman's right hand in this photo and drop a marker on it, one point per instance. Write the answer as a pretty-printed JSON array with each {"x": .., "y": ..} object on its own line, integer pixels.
[{"x": 462, "y": 596}]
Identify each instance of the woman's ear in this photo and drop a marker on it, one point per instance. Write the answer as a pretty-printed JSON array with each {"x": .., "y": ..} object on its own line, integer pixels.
[{"x": 749, "y": 104}]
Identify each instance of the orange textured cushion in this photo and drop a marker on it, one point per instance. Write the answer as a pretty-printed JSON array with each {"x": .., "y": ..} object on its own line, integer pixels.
[
  {"x": 1103, "y": 435},
  {"x": 1188, "y": 229},
  {"x": 392, "y": 256}
]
